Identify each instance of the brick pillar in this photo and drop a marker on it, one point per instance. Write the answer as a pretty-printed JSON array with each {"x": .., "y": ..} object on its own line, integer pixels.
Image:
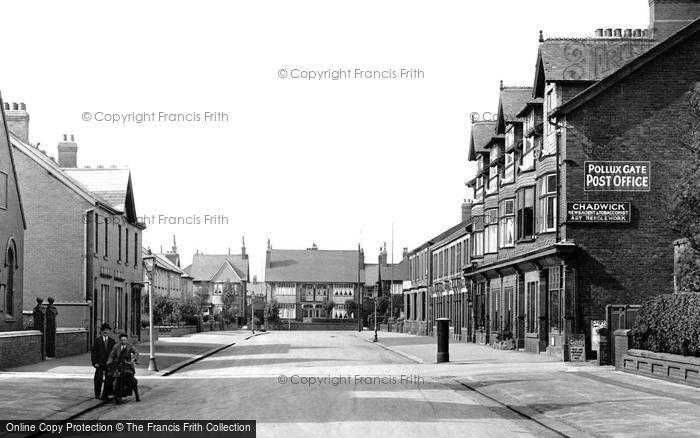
[{"x": 542, "y": 311}]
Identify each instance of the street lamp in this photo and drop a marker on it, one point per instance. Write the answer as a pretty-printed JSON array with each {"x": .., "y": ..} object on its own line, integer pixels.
[
  {"x": 375, "y": 320},
  {"x": 148, "y": 263}
]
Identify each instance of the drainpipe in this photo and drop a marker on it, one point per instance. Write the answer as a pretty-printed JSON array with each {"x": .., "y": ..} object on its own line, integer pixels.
[
  {"x": 88, "y": 215},
  {"x": 557, "y": 128}
]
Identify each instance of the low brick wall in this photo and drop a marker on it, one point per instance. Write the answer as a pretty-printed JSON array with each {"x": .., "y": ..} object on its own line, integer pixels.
[
  {"x": 71, "y": 341},
  {"x": 320, "y": 326},
  {"x": 673, "y": 367},
  {"x": 20, "y": 348},
  {"x": 623, "y": 342},
  {"x": 175, "y": 331}
]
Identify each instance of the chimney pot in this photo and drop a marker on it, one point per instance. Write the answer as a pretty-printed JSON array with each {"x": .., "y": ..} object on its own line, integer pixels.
[
  {"x": 72, "y": 137},
  {"x": 617, "y": 33},
  {"x": 645, "y": 33},
  {"x": 637, "y": 33},
  {"x": 599, "y": 32},
  {"x": 65, "y": 137},
  {"x": 15, "y": 107},
  {"x": 22, "y": 106},
  {"x": 628, "y": 33},
  {"x": 608, "y": 33}
]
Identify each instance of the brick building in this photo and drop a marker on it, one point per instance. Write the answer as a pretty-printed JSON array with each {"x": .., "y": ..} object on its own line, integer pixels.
[
  {"x": 569, "y": 211},
  {"x": 385, "y": 278},
  {"x": 12, "y": 227},
  {"x": 83, "y": 237},
  {"x": 301, "y": 281}
]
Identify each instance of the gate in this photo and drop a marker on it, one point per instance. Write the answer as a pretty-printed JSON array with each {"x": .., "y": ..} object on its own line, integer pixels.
[{"x": 619, "y": 316}]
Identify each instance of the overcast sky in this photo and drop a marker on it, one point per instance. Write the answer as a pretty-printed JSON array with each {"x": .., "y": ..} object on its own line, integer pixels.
[{"x": 298, "y": 161}]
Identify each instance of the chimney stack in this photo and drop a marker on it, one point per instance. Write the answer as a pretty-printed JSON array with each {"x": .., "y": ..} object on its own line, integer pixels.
[
  {"x": 666, "y": 17},
  {"x": 383, "y": 255},
  {"x": 314, "y": 247},
  {"x": 268, "y": 253},
  {"x": 68, "y": 152},
  {"x": 243, "y": 253},
  {"x": 466, "y": 210},
  {"x": 404, "y": 254},
  {"x": 18, "y": 120}
]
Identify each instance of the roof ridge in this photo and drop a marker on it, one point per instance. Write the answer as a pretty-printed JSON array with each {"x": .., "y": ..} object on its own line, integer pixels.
[
  {"x": 517, "y": 87},
  {"x": 598, "y": 39}
]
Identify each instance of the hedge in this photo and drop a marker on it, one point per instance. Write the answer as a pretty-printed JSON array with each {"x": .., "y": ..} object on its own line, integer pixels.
[{"x": 669, "y": 324}]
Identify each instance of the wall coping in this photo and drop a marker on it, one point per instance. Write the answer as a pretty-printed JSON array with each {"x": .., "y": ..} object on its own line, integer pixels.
[
  {"x": 621, "y": 332},
  {"x": 71, "y": 330},
  {"x": 692, "y": 360},
  {"x": 19, "y": 333}
]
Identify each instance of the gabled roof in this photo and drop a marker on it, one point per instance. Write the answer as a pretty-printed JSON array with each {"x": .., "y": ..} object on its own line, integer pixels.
[
  {"x": 110, "y": 184},
  {"x": 205, "y": 266},
  {"x": 481, "y": 133},
  {"x": 460, "y": 228},
  {"x": 510, "y": 101},
  {"x": 53, "y": 169},
  {"x": 326, "y": 266},
  {"x": 531, "y": 103},
  {"x": 6, "y": 137},
  {"x": 584, "y": 59},
  {"x": 398, "y": 273},
  {"x": 162, "y": 261},
  {"x": 637, "y": 63}
]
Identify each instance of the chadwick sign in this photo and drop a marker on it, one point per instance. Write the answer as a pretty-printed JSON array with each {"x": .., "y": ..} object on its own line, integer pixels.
[
  {"x": 598, "y": 212},
  {"x": 617, "y": 176}
]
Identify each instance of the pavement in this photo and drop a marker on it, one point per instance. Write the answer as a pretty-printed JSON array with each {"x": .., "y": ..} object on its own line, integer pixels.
[
  {"x": 59, "y": 389},
  {"x": 575, "y": 400},
  {"x": 319, "y": 384}
]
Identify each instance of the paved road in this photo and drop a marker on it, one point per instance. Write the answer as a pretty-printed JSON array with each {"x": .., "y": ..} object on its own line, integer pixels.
[{"x": 319, "y": 384}]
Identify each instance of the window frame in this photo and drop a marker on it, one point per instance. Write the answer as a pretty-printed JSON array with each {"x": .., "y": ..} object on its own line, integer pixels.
[
  {"x": 547, "y": 194},
  {"x": 504, "y": 219},
  {"x": 520, "y": 210}
]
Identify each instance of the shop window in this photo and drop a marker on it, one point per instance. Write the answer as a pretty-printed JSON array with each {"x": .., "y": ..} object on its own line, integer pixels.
[
  {"x": 555, "y": 296},
  {"x": 531, "y": 316},
  {"x": 525, "y": 209},
  {"x": 547, "y": 208}
]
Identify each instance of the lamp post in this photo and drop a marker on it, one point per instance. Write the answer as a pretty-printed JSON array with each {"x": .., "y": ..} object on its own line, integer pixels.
[
  {"x": 375, "y": 321},
  {"x": 148, "y": 262}
]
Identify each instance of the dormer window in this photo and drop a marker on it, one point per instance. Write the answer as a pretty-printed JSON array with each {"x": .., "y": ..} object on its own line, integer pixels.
[{"x": 510, "y": 138}]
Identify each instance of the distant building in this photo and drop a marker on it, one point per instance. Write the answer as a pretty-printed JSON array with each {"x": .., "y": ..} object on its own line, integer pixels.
[
  {"x": 83, "y": 237},
  {"x": 12, "y": 225},
  {"x": 167, "y": 278},
  {"x": 301, "y": 281},
  {"x": 213, "y": 273}
]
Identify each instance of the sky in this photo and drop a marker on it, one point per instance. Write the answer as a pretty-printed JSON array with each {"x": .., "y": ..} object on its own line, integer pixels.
[{"x": 231, "y": 121}]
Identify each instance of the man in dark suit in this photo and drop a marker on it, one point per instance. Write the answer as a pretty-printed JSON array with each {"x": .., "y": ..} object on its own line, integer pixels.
[
  {"x": 121, "y": 369},
  {"x": 100, "y": 353}
]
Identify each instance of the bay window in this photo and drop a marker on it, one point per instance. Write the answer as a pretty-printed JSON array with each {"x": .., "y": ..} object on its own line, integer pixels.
[
  {"x": 479, "y": 188},
  {"x": 509, "y": 173},
  {"x": 547, "y": 208},
  {"x": 493, "y": 180},
  {"x": 525, "y": 209},
  {"x": 527, "y": 161},
  {"x": 507, "y": 234},
  {"x": 478, "y": 244},
  {"x": 491, "y": 231}
]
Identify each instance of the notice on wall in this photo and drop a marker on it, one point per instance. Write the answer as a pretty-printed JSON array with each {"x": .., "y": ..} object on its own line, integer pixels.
[
  {"x": 598, "y": 212},
  {"x": 577, "y": 348},
  {"x": 617, "y": 176}
]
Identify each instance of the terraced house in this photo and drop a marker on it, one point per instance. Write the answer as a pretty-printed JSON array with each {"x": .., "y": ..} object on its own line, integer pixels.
[{"x": 572, "y": 180}]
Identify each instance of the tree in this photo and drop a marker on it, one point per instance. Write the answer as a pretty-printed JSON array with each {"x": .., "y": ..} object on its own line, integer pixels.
[
  {"x": 328, "y": 308},
  {"x": 684, "y": 211},
  {"x": 684, "y": 208},
  {"x": 166, "y": 311},
  {"x": 351, "y": 308},
  {"x": 396, "y": 305},
  {"x": 272, "y": 313},
  {"x": 228, "y": 301}
]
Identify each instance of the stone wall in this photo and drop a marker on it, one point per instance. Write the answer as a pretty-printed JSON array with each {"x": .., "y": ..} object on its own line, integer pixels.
[{"x": 20, "y": 348}]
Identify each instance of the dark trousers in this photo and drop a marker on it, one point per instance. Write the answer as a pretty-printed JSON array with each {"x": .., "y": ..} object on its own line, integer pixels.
[
  {"x": 100, "y": 378},
  {"x": 119, "y": 383}
]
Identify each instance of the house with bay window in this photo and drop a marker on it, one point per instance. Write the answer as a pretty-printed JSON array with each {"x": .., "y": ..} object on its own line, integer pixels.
[{"x": 303, "y": 281}]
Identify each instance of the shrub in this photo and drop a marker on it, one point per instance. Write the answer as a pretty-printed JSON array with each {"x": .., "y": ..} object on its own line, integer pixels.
[{"x": 669, "y": 324}]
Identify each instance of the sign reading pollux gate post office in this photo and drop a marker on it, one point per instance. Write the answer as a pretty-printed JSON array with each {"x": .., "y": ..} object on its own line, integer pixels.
[{"x": 617, "y": 176}]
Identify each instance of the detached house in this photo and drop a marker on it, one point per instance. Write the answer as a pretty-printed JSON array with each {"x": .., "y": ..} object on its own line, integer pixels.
[{"x": 212, "y": 274}]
